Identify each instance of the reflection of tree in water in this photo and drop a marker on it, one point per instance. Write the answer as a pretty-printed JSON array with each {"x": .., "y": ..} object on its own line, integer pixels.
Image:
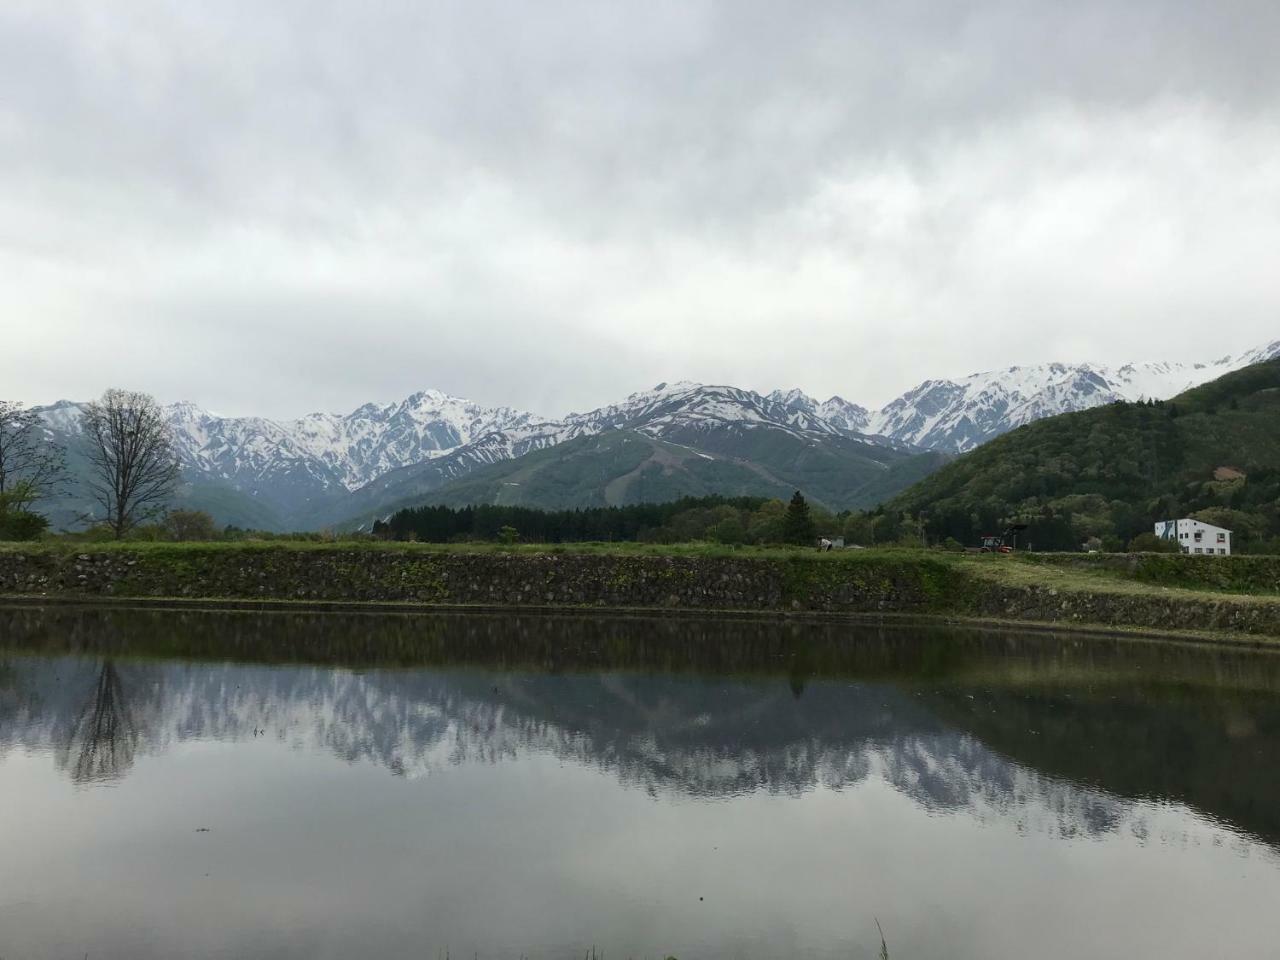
[{"x": 101, "y": 743}]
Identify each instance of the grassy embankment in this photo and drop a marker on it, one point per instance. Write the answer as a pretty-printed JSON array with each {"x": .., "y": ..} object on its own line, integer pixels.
[
  {"x": 1237, "y": 596},
  {"x": 1248, "y": 575}
]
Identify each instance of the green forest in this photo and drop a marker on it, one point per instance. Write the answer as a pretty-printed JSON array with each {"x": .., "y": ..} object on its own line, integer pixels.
[{"x": 1106, "y": 475}]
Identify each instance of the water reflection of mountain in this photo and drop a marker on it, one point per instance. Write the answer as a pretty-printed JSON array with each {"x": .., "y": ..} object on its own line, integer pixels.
[
  {"x": 1214, "y": 751},
  {"x": 1057, "y": 734}
]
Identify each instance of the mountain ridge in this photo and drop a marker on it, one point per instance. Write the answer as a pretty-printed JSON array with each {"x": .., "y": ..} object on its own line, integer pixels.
[{"x": 303, "y": 470}]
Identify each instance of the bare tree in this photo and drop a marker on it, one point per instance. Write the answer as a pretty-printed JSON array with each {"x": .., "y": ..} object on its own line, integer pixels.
[
  {"x": 130, "y": 450},
  {"x": 30, "y": 467}
]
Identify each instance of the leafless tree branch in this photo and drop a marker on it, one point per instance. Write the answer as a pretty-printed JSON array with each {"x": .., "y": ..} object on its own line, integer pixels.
[
  {"x": 31, "y": 467},
  {"x": 130, "y": 450}
]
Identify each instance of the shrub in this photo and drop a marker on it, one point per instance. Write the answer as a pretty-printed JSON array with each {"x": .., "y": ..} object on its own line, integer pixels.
[
  {"x": 1150, "y": 543},
  {"x": 22, "y": 525},
  {"x": 190, "y": 525}
]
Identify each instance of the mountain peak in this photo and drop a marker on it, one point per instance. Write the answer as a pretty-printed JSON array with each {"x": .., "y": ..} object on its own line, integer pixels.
[
  {"x": 793, "y": 396},
  {"x": 185, "y": 410},
  {"x": 431, "y": 395},
  {"x": 666, "y": 389}
]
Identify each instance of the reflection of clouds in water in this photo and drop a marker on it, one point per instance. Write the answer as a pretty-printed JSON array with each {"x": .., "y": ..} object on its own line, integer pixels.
[{"x": 660, "y": 734}]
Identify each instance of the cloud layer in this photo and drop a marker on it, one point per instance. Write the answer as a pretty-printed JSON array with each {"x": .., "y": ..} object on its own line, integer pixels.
[{"x": 282, "y": 207}]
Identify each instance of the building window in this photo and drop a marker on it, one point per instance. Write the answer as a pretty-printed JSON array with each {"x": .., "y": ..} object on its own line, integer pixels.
[
  {"x": 1199, "y": 536},
  {"x": 1223, "y": 551},
  {"x": 1222, "y": 538},
  {"x": 1198, "y": 550}
]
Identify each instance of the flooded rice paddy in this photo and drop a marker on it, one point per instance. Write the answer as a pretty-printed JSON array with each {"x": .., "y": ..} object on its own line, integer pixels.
[{"x": 226, "y": 784}]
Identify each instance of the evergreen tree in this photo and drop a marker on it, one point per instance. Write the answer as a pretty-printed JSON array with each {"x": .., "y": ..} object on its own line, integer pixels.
[{"x": 797, "y": 527}]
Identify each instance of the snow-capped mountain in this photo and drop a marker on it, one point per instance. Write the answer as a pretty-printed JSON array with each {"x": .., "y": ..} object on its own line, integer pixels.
[
  {"x": 669, "y": 407},
  {"x": 291, "y": 465},
  {"x": 739, "y": 431},
  {"x": 324, "y": 452},
  {"x": 348, "y": 449},
  {"x": 305, "y": 469},
  {"x": 959, "y": 415}
]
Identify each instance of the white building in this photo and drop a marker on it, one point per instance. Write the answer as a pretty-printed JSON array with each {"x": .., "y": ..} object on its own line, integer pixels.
[{"x": 1196, "y": 536}]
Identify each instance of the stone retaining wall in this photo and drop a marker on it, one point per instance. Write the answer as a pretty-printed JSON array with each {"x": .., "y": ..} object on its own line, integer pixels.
[
  {"x": 477, "y": 578},
  {"x": 848, "y": 583},
  {"x": 1142, "y": 610}
]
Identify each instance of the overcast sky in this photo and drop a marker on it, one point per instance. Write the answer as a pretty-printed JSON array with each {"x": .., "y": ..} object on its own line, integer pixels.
[{"x": 272, "y": 206}]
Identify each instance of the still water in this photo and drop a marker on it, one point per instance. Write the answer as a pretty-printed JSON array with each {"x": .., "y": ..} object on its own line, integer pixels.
[{"x": 183, "y": 784}]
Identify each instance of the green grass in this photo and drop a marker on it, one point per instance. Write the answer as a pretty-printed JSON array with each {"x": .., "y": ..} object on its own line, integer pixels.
[
  {"x": 1019, "y": 572},
  {"x": 1240, "y": 574}
]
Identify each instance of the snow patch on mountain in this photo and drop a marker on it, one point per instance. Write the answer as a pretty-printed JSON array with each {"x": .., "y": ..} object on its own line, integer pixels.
[{"x": 840, "y": 413}]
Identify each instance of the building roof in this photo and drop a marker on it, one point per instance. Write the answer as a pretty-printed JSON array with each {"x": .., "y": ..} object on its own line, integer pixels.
[{"x": 1203, "y": 523}]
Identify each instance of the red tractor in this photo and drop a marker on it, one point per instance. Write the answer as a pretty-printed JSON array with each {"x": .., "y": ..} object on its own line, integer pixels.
[
  {"x": 1007, "y": 542},
  {"x": 994, "y": 545}
]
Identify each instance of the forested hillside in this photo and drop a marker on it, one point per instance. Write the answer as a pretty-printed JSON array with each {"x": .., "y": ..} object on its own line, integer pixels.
[
  {"x": 622, "y": 467},
  {"x": 1212, "y": 452}
]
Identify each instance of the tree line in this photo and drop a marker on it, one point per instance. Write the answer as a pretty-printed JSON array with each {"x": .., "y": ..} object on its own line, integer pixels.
[{"x": 730, "y": 520}]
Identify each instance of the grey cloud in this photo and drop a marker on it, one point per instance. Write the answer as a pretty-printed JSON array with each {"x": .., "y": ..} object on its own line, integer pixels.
[
  {"x": 671, "y": 105},
  {"x": 660, "y": 189}
]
